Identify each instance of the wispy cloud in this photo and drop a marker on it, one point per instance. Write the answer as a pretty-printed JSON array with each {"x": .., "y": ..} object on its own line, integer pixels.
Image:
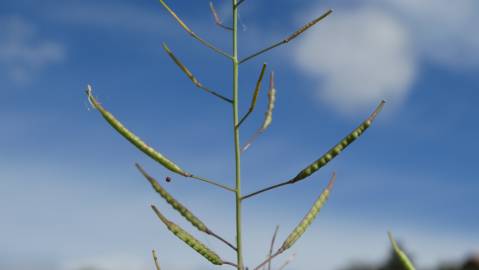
[
  {"x": 115, "y": 15},
  {"x": 376, "y": 50},
  {"x": 442, "y": 31},
  {"x": 23, "y": 54},
  {"x": 358, "y": 56}
]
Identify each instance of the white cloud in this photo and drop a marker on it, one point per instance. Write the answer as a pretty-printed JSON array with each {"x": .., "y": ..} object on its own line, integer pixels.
[
  {"x": 359, "y": 57},
  {"x": 22, "y": 53},
  {"x": 443, "y": 32},
  {"x": 375, "y": 49}
]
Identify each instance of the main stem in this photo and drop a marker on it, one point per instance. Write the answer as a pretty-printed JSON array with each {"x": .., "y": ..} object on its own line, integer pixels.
[{"x": 239, "y": 245}]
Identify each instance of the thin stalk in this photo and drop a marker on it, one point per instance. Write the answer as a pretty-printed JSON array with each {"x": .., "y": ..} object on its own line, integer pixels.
[
  {"x": 217, "y": 18},
  {"x": 191, "y": 33},
  {"x": 268, "y": 260},
  {"x": 239, "y": 3},
  {"x": 212, "y": 183},
  {"x": 272, "y": 246},
  {"x": 230, "y": 263},
  {"x": 223, "y": 240},
  {"x": 239, "y": 245},
  {"x": 266, "y": 189}
]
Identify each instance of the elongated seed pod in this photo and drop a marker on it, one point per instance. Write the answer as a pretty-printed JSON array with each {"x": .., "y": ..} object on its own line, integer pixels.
[
  {"x": 268, "y": 117},
  {"x": 190, "y": 75},
  {"x": 401, "y": 254},
  {"x": 338, "y": 148},
  {"x": 257, "y": 88},
  {"x": 182, "y": 24},
  {"x": 255, "y": 95},
  {"x": 183, "y": 68},
  {"x": 191, "y": 33},
  {"x": 308, "y": 219},
  {"x": 187, "y": 214},
  {"x": 307, "y": 26},
  {"x": 135, "y": 140},
  {"x": 189, "y": 239}
]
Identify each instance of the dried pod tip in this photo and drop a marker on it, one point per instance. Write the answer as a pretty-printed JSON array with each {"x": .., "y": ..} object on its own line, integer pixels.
[
  {"x": 271, "y": 81},
  {"x": 377, "y": 111},
  {"x": 331, "y": 182},
  {"x": 89, "y": 93}
]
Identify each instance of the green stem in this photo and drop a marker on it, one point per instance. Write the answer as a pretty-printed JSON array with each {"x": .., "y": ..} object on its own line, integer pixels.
[{"x": 239, "y": 245}]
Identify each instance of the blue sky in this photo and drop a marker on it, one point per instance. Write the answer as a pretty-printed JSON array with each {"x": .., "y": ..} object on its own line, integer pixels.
[{"x": 71, "y": 198}]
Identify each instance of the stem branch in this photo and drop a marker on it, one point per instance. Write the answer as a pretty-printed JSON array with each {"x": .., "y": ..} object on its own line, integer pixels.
[
  {"x": 239, "y": 244},
  {"x": 213, "y": 183},
  {"x": 193, "y": 34}
]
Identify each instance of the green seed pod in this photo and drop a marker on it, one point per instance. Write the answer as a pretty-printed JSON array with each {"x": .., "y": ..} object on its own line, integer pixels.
[
  {"x": 174, "y": 203},
  {"x": 190, "y": 75},
  {"x": 268, "y": 118},
  {"x": 257, "y": 88},
  {"x": 401, "y": 254},
  {"x": 189, "y": 239},
  {"x": 338, "y": 148},
  {"x": 183, "y": 68},
  {"x": 182, "y": 24},
  {"x": 308, "y": 219},
  {"x": 135, "y": 140}
]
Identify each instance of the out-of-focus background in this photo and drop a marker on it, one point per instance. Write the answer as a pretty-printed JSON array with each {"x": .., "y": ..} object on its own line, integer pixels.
[{"x": 71, "y": 199}]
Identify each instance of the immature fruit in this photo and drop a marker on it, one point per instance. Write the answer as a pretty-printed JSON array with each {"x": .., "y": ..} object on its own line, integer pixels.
[
  {"x": 338, "y": 148},
  {"x": 268, "y": 117},
  {"x": 189, "y": 239},
  {"x": 135, "y": 140},
  {"x": 308, "y": 219},
  {"x": 187, "y": 214}
]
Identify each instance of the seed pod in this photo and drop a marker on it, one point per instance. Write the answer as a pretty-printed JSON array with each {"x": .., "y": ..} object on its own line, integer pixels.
[
  {"x": 135, "y": 140},
  {"x": 338, "y": 148},
  {"x": 189, "y": 239},
  {"x": 182, "y": 24},
  {"x": 401, "y": 254},
  {"x": 308, "y": 219},
  {"x": 190, "y": 75},
  {"x": 257, "y": 88},
  {"x": 183, "y": 68},
  {"x": 174, "y": 203},
  {"x": 255, "y": 95},
  {"x": 307, "y": 26},
  {"x": 268, "y": 117}
]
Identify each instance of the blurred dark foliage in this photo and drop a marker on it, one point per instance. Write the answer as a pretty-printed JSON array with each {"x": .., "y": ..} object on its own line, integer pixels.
[{"x": 393, "y": 263}]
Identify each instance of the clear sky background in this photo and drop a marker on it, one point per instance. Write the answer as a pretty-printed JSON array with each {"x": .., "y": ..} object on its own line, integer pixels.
[{"x": 70, "y": 197}]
